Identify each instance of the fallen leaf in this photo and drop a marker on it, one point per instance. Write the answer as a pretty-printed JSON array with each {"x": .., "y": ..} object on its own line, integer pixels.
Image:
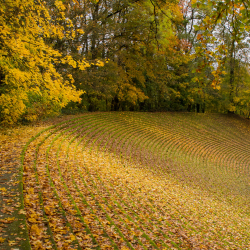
[
  {"x": 11, "y": 242},
  {"x": 22, "y": 211}
]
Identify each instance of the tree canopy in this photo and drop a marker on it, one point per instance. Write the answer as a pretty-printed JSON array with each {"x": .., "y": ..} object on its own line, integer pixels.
[{"x": 149, "y": 55}]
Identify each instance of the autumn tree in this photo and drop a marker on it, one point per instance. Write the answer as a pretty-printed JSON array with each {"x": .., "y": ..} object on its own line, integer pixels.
[
  {"x": 136, "y": 41},
  {"x": 221, "y": 42},
  {"x": 31, "y": 87},
  {"x": 216, "y": 32},
  {"x": 122, "y": 55},
  {"x": 232, "y": 33}
]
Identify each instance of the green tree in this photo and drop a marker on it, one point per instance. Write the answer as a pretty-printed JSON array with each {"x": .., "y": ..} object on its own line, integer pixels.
[
  {"x": 136, "y": 40},
  {"x": 217, "y": 33}
]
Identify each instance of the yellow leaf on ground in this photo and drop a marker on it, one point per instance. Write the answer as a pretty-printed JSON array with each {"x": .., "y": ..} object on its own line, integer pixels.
[
  {"x": 12, "y": 243},
  {"x": 35, "y": 229},
  {"x": 22, "y": 211}
]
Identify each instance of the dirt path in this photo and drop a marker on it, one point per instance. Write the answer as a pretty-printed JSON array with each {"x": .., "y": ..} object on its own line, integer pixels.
[{"x": 13, "y": 234}]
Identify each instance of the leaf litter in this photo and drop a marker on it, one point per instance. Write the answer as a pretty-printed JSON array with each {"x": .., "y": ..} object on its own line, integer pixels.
[{"x": 87, "y": 189}]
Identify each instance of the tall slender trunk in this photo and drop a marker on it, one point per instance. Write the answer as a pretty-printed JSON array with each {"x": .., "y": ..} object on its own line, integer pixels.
[
  {"x": 231, "y": 74},
  {"x": 232, "y": 63},
  {"x": 94, "y": 36}
]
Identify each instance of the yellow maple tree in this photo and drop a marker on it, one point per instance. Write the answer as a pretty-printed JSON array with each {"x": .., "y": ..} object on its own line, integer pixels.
[{"x": 30, "y": 86}]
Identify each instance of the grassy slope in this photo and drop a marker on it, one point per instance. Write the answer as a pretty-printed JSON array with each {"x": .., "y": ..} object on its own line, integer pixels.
[{"x": 140, "y": 181}]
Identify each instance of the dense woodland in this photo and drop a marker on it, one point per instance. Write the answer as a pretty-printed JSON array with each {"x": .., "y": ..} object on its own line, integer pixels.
[{"x": 138, "y": 55}]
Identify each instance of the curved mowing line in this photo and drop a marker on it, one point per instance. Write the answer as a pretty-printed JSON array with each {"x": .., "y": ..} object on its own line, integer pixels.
[
  {"x": 129, "y": 218},
  {"x": 74, "y": 138},
  {"x": 109, "y": 218},
  {"x": 130, "y": 200},
  {"x": 26, "y": 244},
  {"x": 219, "y": 154},
  {"x": 134, "y": 206},
  {"x": 224, "y": 138},
  {"x": 123, "y": 211},
  {"x": 66, "y": 187},
  {"x": 53, "y": 185},
  {"x": 134, "y": 138},
  {"x": 38, "y": 184},
  {"x": 82, "y": 196},
  {"x": 41, "y": 132},
  {"x": 87, "y": 229},
  {"x": 185, "y": 128},
  {"x": 196, "y": 159},
  {"x": 176, "y": 210}
]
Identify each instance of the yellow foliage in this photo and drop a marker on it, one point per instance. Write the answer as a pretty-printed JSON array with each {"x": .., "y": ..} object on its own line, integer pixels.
[
  {"x": 82, "y": 65},
  {"x": 32, "y": 87},
  {"x": 231, "y": 108},
  {"x": 100, "y": 63},
  {"x": 59, "y": 5},
  {"x": 12, "y": 106}
]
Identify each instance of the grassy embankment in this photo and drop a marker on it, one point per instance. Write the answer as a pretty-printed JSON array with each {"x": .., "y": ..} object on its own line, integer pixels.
[{"x": 138, "y": 181}]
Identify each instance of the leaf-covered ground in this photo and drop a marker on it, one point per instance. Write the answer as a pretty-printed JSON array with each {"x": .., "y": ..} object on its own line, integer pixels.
[{"x": 128, "y": 181}]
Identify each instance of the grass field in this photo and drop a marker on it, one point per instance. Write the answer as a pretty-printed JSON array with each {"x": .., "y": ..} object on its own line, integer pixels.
[{"x": 126, "y": 180}]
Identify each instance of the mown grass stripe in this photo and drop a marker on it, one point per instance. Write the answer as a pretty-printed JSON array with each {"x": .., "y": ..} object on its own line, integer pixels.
[
  {"x": 65, "y": 185},
  {"x": 134, "y": 137},
  {"x": 58, "y": 197},
  {"x": 50, "y": 134},
  {"x": 26, "y": 244},
  {"x": 94, "y": 184},
  {"x": 130, "y": 218}
]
